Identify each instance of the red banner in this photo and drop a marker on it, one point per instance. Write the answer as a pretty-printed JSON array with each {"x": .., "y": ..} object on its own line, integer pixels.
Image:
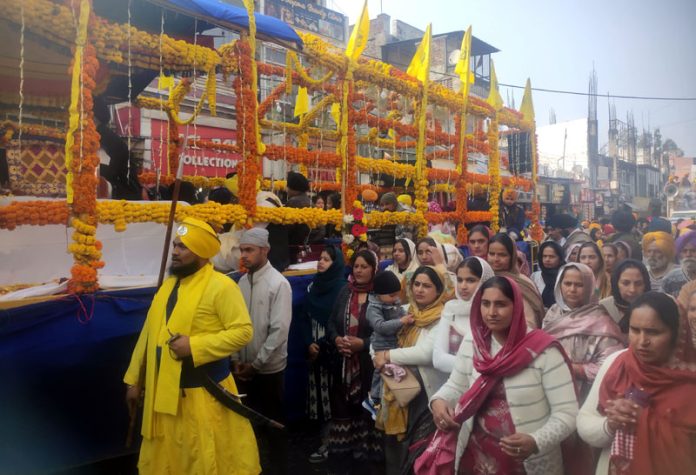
[{"x": 197, "y": 161}]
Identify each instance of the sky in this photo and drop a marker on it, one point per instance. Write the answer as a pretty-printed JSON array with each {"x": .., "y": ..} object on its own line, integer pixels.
[{"x": 637, "y": 47}]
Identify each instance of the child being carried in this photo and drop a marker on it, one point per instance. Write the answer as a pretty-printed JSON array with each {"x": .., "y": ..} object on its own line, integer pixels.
[{"x": 386, "y": 317}]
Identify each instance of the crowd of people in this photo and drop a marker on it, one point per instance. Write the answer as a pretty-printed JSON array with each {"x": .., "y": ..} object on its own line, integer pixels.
[{"x": 450, "y": 360}]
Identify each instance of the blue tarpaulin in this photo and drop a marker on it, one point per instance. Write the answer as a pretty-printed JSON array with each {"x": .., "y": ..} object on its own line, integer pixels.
[{"x": 230, "y": 17}]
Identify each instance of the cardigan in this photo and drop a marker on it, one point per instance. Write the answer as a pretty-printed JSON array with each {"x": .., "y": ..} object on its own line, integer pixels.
[
  {"x": 541, "y": 399},
  {"x": 421, "y": 355},
  {"x": 592, "y": 426}
]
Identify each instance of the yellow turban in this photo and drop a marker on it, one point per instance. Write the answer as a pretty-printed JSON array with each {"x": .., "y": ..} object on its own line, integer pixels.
[
  {"x": 405, "y": 200},
  {"x": 199, "y": 237},
  {"x": 595, "y": 226},
  {"x": 232, "y": 184},
  {"x": 664, "y": 241}
]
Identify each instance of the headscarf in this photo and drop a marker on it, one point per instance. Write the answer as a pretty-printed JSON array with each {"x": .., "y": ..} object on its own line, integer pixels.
[
  {"x": 529, "y": 290},
  {"x": 486, "y": 273},
  {"x": 549, "y": 275},
  {"x": 325, "y": 287},
  {"x": 664, "y": 241},
  {"x": 663, "y": 439},
  {"x": 520, "y": 349},
  {"x": 423, "y": 316},
  {"x": 410, "y": 249},
  {"x": 590, "y": 319},
  {"x": 684, "y": 240},
  {"x": 452, "y": 257},
  {"x": 199, "y": 237},
  {"x": 622, "y": 305},
  {"x": 571, "y": 248},
  {"x": 602, "y": 284},
  {"x": 626, "y": 247}
]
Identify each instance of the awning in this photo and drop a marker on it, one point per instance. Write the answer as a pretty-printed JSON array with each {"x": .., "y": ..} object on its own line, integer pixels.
[{"x": 235, "y": 18}]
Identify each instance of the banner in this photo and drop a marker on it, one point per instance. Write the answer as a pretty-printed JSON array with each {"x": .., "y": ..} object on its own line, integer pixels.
[{"x": 309, "y": 17}]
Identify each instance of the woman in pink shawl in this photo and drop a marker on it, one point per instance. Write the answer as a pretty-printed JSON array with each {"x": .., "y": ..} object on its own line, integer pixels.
[{"x": 584, "y": 328}]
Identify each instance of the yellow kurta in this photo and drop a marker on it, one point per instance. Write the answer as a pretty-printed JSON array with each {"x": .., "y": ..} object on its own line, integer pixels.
[{"x": 194, "y": 434}]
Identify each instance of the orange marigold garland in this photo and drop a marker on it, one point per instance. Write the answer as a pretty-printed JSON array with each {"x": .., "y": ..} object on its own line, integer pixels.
[
  {"x": 494, "y": 172},
  {"x": 84, "y": 146}
]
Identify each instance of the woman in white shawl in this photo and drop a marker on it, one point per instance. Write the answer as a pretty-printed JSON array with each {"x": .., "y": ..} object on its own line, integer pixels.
[
  {"x": 405, "y": 259},
  {"x": 454, "y": 322}
]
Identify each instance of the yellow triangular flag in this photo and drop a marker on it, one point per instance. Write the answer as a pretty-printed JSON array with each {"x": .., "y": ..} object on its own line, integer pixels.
[
  {"x": 527, "y": 107},
  {"x": 420, "y": 64},
  {"x": 463, "y": 67},
  {"x": 494, "y": 98},
  {"x": 301, "y": 101},
  {"x": 336, "y": 113},
  {"x": 358, "y": 38},
  {"x": 165, "y": 83}
]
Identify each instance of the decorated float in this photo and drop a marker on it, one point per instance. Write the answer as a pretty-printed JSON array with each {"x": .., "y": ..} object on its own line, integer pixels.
[{"x": 352, "y": 121}]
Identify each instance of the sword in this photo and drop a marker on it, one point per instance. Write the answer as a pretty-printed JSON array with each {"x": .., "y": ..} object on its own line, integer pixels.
[{"x": 232, "y": 402}]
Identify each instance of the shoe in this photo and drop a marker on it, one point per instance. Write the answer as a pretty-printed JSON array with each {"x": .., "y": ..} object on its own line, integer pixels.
[
  {"x": 320, "y": 455},
  {"x": 369, "y": 406}
]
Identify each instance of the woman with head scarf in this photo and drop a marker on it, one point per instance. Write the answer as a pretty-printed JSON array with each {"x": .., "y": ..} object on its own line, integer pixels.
[
  {"x": 321, "y": 296},
  {"x": 509, "y": 402},
  {"x": 592, "y": 257},
  {"x": 431, "y": 253},
  {"x": 629, "y": 281},
  {"x": 502, "y": 254},
  {"x": 454, "y": 324},
  {"x": 610, "y": 254},
  {"x": 550, "y": 261},
  {"x": 586, "y": 331},
  {"x": 352, "y": 437},
  {"x": 404, "y": 257},
  {"x": 572, "y": 252},
  {"x": 405, "y": 425},
  {"x": 624, "y": 250},
  {"x": 658, "y": 253},
  {"x": 641, "y": 410}
]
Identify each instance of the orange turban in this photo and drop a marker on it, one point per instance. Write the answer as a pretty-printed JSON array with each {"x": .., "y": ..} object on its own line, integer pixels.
[
  {"x": 369, "y": 195},
  {"x": 664, "y": 241}
]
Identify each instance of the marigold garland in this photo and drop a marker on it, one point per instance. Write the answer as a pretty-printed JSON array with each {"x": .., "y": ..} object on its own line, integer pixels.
[{"x": 494, "y": 172}]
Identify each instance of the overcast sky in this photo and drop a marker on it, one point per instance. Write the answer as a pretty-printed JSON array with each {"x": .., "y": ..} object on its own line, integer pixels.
[{"x": 638, "y": 47}]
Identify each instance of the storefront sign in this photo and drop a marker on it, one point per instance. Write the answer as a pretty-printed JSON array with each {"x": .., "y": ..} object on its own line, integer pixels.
[
  {"x": 310, "y": 17},
  {"x": 197, "y": 161}
]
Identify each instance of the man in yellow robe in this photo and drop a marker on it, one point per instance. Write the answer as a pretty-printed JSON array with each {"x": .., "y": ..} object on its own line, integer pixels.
[{"x": 198, "y": 318}]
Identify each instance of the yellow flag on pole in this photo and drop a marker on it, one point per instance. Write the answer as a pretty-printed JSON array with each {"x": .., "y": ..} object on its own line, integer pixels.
[
  {"x": 463, "y": 67},
  {"x": 358, "y": 38},
  {"x": 301, "y": 101},
  {"x": 420, "y": 64},
  {"x": 527, "y": 107},
  {"x": 494, "y": 98}
]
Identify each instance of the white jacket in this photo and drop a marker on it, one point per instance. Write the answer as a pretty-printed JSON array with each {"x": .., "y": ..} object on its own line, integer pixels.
[
  {"x": 592, "y": 426},
  {"x": 269, "y": 299},
  {"x": 541, "y": 399},
  {"x": 455, "y": 314},
  {"x": 421, "y": 355}
]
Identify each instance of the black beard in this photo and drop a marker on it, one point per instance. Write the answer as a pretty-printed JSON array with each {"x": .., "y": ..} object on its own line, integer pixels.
[{"x": 184, "y": 270}]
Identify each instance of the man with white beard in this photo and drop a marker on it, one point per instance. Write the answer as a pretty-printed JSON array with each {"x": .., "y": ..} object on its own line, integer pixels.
[
  {"x": 686, "y": 271},
  {"x": 658, "y": 252}
]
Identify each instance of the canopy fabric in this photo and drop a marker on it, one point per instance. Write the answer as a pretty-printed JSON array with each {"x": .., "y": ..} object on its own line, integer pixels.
[{"x": 230, "y": 17}]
